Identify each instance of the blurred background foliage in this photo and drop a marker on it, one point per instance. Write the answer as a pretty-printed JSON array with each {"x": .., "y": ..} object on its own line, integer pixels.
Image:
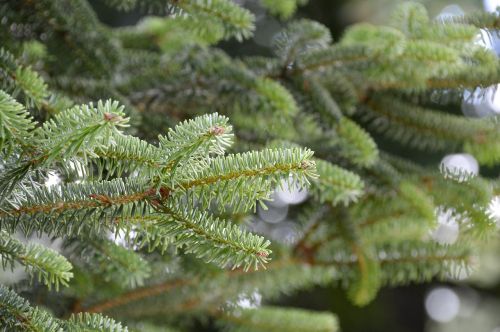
[{"x": 470, "y": 305}]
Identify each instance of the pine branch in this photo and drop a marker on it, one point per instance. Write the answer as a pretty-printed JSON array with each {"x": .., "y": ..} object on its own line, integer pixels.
[
  {"x": 443, "y": 187},
  {"x": 336, "y": 56},
  {"x": 259, "y": 173},
  {"x": 235, "y": 21},
  {"x": 479, "y": 19},
  {"x": 198, "y": 138},
  {"x": 145, "y": 5},
  {"x": 112, "y": 261},
  {"x": 16, "y": 124},
  {"x": 76, "y": 206},
  {"x": 410, "y": 261},
  {"x": 74, "y": 32},
  {"x": 388, "y": 45},
  {"x": 312, "y": 219},
  {"x": 170, "y": 34},
  {"x": 17, "y": 315},
  {"x": 224, "y": 82},
  {"x": 271, "y": 96},
  {"x": 213, "y": 240},
  {"x": 50, "y": 267},
  {"x": 458, "y": 36},
  {"x": 428, "y": 129},
  {"x": 282, "y": 8},
  {"x": 397, "y": 227},
  {"x": 366, "y": 280},
  {"x": 431, "y": 260},
  {"x": 299, "y": 38},
  {"x": 148, "y": 327},
  {"x": 20, "y": 80},
  {"x": 129, "y": 155},
  {"x": 209, "y": 239},
  {"x": 183, "y": 146},
  {"x": 444, "y": 54},
  {"x": 411, "y": 18},
  {"x": 336, "y": 184},
  {"x": 92, "y": 322},
  {"x": 323, "y": 102},
  {"x": 378, "y": 221},
  {"x": 136, "y": 295},
  {"x": 364, "y": 231},
  {"x": 269, "y": 319},
  {"x": 75, "y": 132},
  {"x": 213, "y": 130},
  {"x": 80, "y": 130},
  {"x": 355, "y": 143},
  {"x": 421, "y": 202},
  {"x": 282, "y": 276},
  {"x": 343, "y": 91},
  {"x": 144, "y": 232},
  {"x": 480, "y": 68}
]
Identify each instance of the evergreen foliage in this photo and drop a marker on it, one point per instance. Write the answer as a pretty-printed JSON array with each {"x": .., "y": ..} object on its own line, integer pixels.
[
  {"x": 51, "y": 267},
  {"x": 270, "y": 319},
  {"x": 148, "y": 128}
]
